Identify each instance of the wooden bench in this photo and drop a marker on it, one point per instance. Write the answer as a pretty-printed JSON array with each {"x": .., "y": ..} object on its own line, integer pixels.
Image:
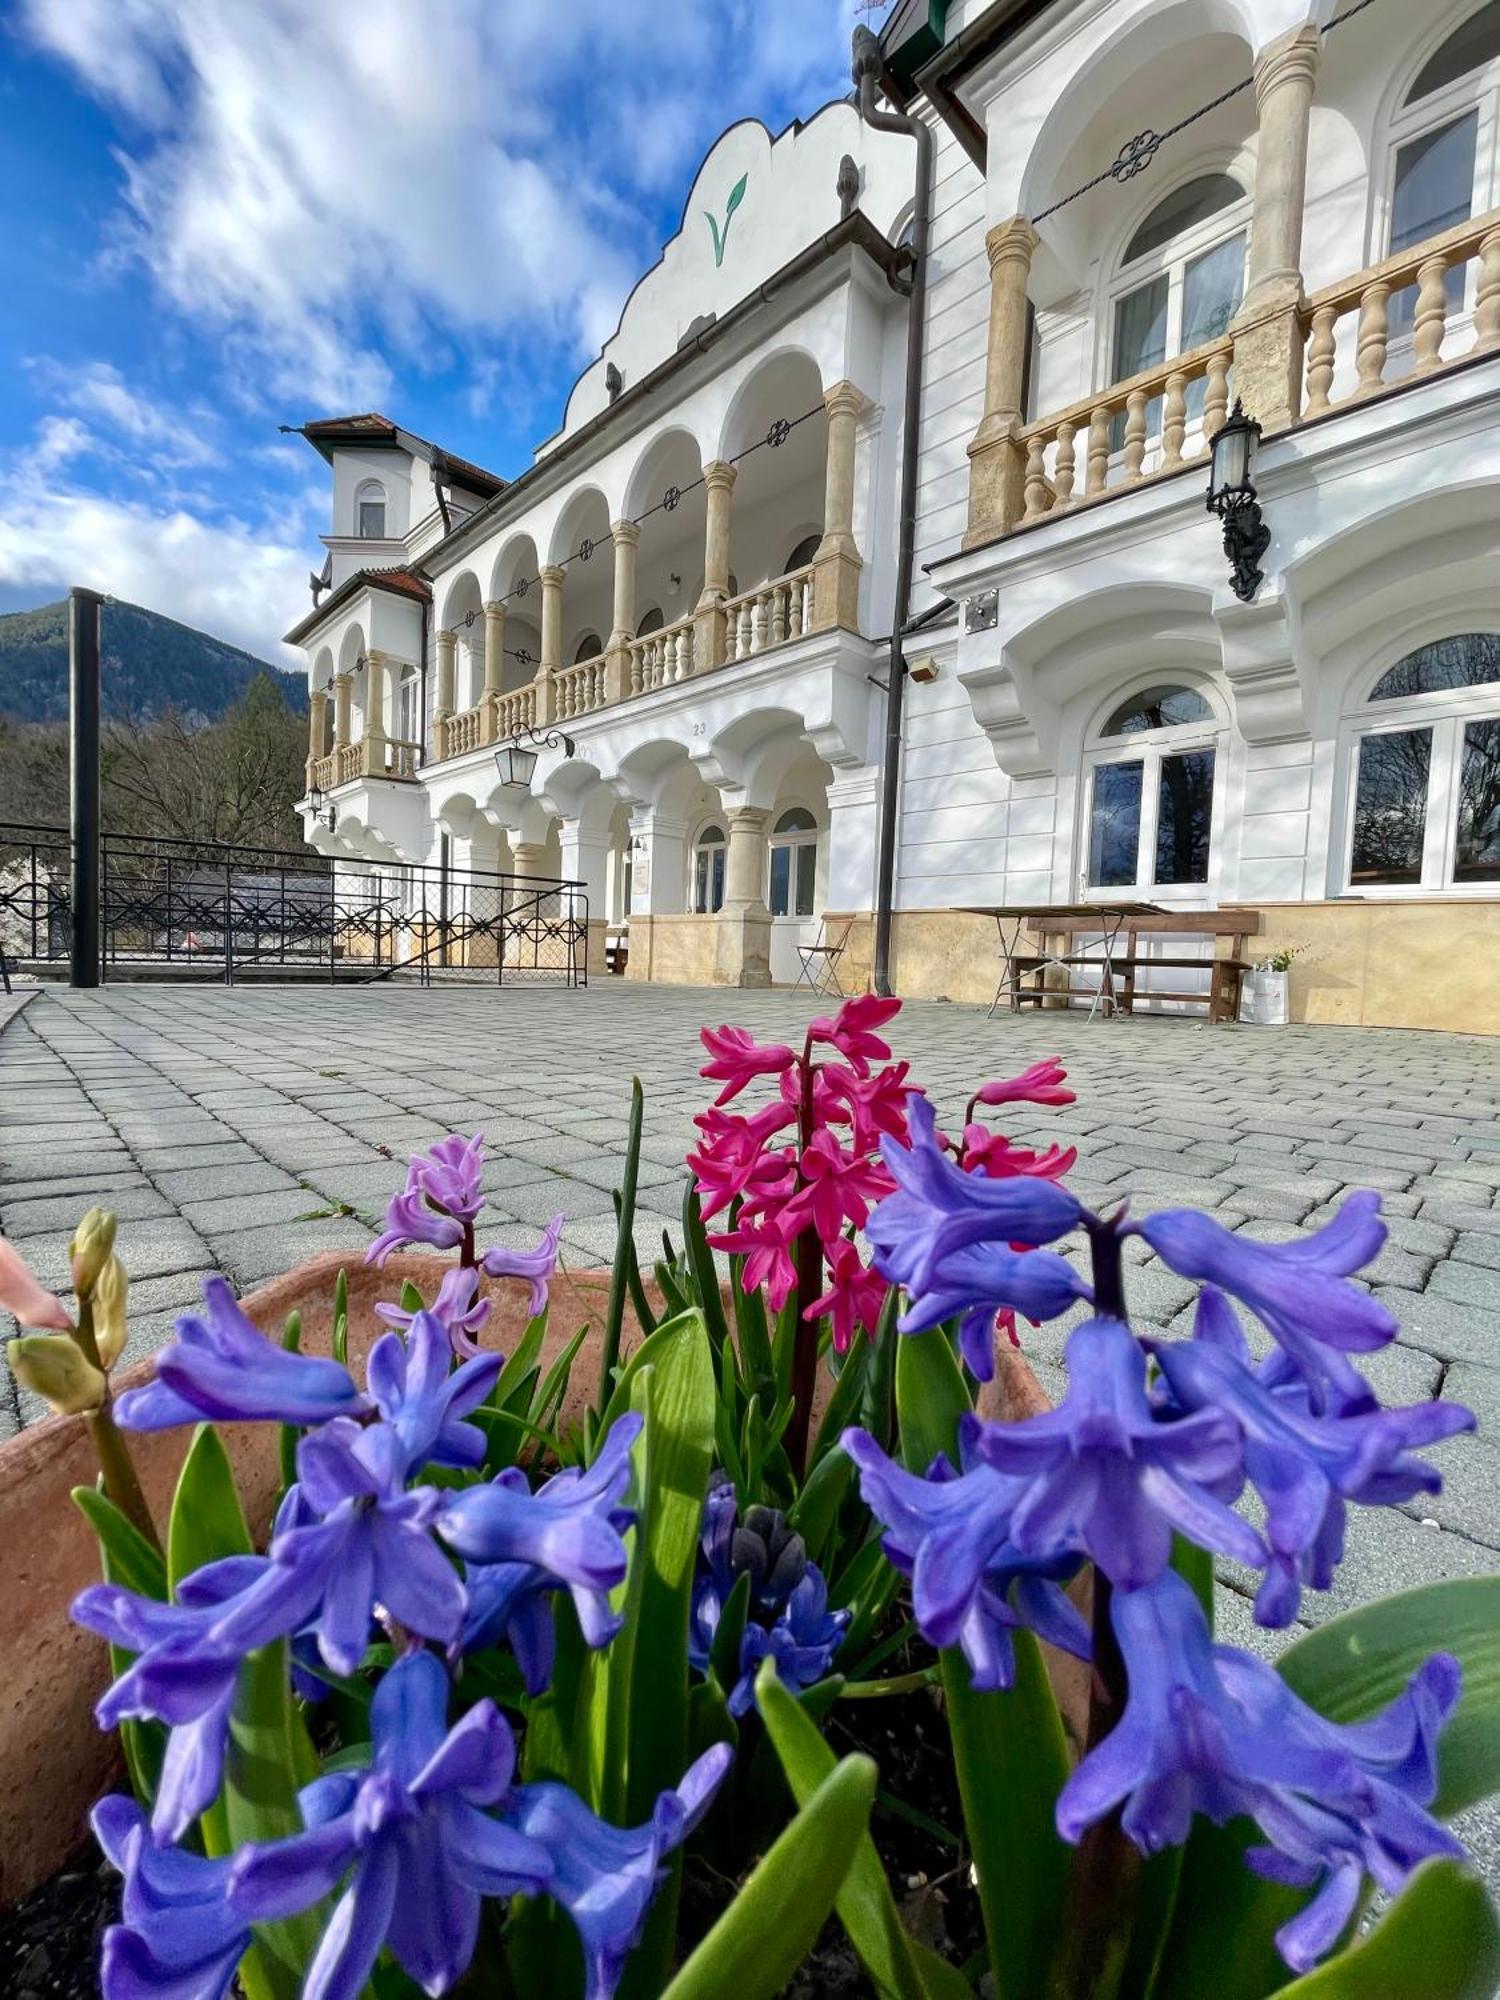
[{"x": 1226, "y": 972}]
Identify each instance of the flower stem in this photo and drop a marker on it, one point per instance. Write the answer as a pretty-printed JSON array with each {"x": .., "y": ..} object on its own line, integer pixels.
[
  {"x": 120, "y": 1482},
  {"x": 809, "y": 1290}
]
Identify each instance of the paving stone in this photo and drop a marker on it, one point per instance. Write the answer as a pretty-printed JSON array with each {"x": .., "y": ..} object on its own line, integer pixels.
[
  {"x": 1470, "y": 1500},
  {"x": 223, "y": 1217},
  {"x": 211, "y": 1182},
  {"x": 1469, "y": 1285},
  {"x": 61, "y": 1212},
  {"x": 1471, "y": 1248},
  {"x": 197, "y": 1159},
  {"x": 1462, "y": 1216},
  {"x": 1271, "y": 1204},
  {"x": 248, "y": 1257},
  {"x": 1479, "y": 1389},
  {"x": 1441, "y": 1326}
]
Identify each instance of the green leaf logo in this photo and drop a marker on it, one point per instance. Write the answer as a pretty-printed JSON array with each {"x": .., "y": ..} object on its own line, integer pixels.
[{"x": 721, "y": 236}]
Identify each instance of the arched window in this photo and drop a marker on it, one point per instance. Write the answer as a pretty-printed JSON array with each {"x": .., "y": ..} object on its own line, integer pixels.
[
  {"x": 589, "y": 647},
  {"x": 649, "y": 621},
  {"x": 1425, "y": 779},
  {"x": 793, "y": 866},
  {"x": 1443, "y": 170},
  {"x": 709, "y": 851},
  {"x": 369, "y": 511},
  {"x": 1180, "y": 282},
  {"x": 1150, "y": 785},
  {"x": 802, "y": 554}
]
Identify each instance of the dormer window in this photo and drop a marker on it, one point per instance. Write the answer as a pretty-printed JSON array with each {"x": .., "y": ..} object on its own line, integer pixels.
[
  {"x": 369, "y": 512},
  {"x": 1181, "y": 280}
]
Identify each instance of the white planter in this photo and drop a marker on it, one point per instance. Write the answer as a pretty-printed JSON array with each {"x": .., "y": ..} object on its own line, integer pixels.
[{"x": 1263, "y": 999}]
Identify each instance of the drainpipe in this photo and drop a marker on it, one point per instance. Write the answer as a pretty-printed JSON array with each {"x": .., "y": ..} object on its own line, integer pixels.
[{"x": 868, "y": 72}]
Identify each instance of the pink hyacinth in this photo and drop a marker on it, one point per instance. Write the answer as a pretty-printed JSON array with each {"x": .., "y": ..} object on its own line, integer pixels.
[
  {"x": 855, "y": 1297},
  {"x": 738, "y": 1060},
  {"x": 992, "y": 1153},
  {"x": 1041, "y": 1084}
]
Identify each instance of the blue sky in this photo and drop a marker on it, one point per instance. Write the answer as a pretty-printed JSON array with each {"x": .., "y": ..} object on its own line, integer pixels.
[{"x": 218, "y": 215}]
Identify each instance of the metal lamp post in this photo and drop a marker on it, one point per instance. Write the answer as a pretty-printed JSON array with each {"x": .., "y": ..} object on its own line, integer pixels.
[{"x": 1232, "y": 496}]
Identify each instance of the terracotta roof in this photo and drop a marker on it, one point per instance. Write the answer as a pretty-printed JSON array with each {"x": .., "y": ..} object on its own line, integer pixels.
[
  {"x": 370, "y": 427},
  {"x": 370, "y": 420},
  {"x": 401, "y": 582}
]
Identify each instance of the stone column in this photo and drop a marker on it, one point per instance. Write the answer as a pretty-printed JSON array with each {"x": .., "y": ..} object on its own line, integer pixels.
[
  {"x": 447, "y": 647},
  {"x": 743, "y": 944},
  {"x": 837, "y": 563},
  {"x": 585, "y": 858},
  {"x": 343, "y": 690},
  {"x": 1267, "y": 328},
  {"x": 709, "y": 624},
  {"x": 528, "y": 860},
  {"x": 626, "y": 536},
  {"x": 658, "y": 890},
  {"x": 317, "y": 722},
  {"x": 551, "y": 580},
  {"x": 997, "y": 468},
  {"x": 374, "y": 715},
  {"x": 494, "y": 666}
]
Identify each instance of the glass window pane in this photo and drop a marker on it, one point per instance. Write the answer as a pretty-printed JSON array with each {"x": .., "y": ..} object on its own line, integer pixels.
[
  {"x": 372, "y": 520},
  {"x": 1468, "y": 659},
  {"x": 1181, "y": 210},
  {"x": 1390, "y": 806},
  {"x": 1469, "y": 47},
  {"x": 1478, "y": 856},
  {"x": 796, "y": 819},
  {"x": 1157, "y": 708},
  {"x": 1115, "y": 826},
  {"x": 1434, "y": 182},
  {"x": 1212, "y": 287},
  {"x": 807, "y": 875},
  {"x": 1141, "y": 329},
  {"x": 781, "y": 876},
  {"x": 1184, "y": 812}
]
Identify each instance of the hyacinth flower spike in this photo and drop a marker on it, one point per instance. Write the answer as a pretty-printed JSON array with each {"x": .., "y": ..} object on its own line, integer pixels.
[
  {"x": 177, "y": 1938},
  {"x": 535, "y": 1266},
  {"x": 418, "y": 1833},
  {"x": 458, "y": 1308},
  {"x": 440, "y": 1203}
]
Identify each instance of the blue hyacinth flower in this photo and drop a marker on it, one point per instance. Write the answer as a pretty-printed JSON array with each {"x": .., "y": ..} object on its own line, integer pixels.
[{"x": 177, "y": 1938}]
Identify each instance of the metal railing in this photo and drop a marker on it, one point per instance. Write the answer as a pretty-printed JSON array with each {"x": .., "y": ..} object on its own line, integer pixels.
[{"x": 185, "y": 908}]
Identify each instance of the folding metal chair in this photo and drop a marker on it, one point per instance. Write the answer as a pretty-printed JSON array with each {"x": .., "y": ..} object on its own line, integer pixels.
[{"x": 820, "y": 961}]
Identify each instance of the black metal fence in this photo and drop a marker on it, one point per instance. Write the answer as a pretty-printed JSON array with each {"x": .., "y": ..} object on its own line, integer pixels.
[{"x": 185, "y": 908}]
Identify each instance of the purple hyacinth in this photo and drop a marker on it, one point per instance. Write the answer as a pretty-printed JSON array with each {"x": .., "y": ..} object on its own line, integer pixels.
[
  {"x": 535, "y": 1266},
  {"x": 1305, "y": 1466},
  {"x": 949, "y": 1238},
  {"x": 950, "y": 1533},
  {"x": 419, "y": 1834},
  {"x": 787, "y": 1617},
  {"x": 457, "y": 1308},
  {"x": 442, "y": 1197},
  {"x": 1209, "y": 1729},
  {"x": 1106, "y": 1477},
  {"x": 222, "y": 1368},
  {"x": 177, "y": 1937},
  {"x": 424, "y": 1399},
  {"x": 571, "y": 1529},
  {"x": 512, "y": 1603},
  {"x": 1300, "y": 1290},
  {"x": 605, "y": 1876},
  {"x": 802, "y": 1642}
]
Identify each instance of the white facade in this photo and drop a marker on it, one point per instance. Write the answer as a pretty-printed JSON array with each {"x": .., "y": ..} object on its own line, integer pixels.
[{"x": 1062, "y": 481}]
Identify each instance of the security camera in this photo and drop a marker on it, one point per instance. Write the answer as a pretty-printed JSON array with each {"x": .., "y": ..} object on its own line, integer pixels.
[{"x": 923, "y": 672}]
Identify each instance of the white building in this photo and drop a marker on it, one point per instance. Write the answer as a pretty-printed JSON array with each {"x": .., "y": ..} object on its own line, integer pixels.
[{"x": 1137, "y": 211}]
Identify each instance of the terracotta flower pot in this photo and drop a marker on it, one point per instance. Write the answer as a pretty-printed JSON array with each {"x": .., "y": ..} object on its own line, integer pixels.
[{"x": 54, "y": 1760}]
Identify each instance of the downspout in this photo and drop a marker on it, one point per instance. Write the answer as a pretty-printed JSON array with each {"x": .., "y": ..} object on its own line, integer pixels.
[
  {"x": 868, "y": 68},
  {"x": 422, "y": 684}
]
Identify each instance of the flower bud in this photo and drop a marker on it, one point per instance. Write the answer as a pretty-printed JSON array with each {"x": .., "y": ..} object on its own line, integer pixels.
[
  {"x": 54, "y": 1366},
  {"x": 110, "y": 1289},
  {"x": 93, "y": 1242}
]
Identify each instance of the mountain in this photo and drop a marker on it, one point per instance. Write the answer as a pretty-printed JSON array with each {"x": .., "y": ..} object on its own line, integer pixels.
[{"x": 148, "y": 664}]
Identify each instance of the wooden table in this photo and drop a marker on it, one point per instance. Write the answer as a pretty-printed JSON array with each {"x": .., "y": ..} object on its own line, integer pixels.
[{"x": 1011, "y": 919}]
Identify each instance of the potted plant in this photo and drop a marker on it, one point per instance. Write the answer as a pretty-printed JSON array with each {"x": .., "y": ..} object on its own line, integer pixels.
[{"x": 1264, "y": 1000}]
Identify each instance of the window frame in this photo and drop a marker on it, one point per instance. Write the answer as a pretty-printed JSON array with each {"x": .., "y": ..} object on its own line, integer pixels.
[
  {"x": 709, "y": 851},
  {"x": 370, "y": 493},
  {"x": 796, "y": 843},
  {"x": 1149, "y": 747},
  {"x": 1446, "y": 712},
  {"x": 1171, "y": 258},
  {"x": 1477, "y": 90}
]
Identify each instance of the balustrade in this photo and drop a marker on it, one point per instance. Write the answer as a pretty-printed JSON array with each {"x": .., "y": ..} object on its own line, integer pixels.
[
  {"x": 1357, "y": 347},
  {"x": 578, "y": 689},
  {"x": 514, "y": 711},
  {"x": 769, "y": 616},
  {"x": 1121, "y": 445},
  {"x": 465, "y": 731},
  {"x": 661, "y": 657},
  {"x": 325, "y": 771}
]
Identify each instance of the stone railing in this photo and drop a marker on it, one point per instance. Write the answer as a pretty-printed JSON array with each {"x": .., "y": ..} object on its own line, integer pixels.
[
  {"x": 325, "y": 771},
  {"x": 514, "y": 711},
  {"x": 661, "y": 657},
  {"x": 1118, "y": 454},
  {"x": 465, "y": 731},
  {"x": 349, "y": 762},
  {"x": 578, "y": 689},
  {"x": 1353, "y": 350},
  {"x": 402, "y": 759},
  {"x": 776, "y": 612}
]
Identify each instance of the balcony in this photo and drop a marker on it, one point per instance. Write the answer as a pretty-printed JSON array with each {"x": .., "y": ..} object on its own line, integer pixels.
[{"x": 389, "y": 757}]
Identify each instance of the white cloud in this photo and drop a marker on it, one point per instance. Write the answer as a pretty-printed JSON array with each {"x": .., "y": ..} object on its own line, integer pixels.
[
  {"x": 240, "y": 581},
  {"x": 324, "y": 184},
  {"x": 172, "y": 437}
]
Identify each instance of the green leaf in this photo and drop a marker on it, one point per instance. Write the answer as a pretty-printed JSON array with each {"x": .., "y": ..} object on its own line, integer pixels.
[
  {"x": 1440, "y": 1941},
  {"x": 288, "y": 1434},
  {"x": 547, "y": 1404},
  {"x": 1357, "y": 1663},
  {"x": 729, "y": 1637},
  {"x": 931, "y": 1396},
  {"x": 898, "y": 1965},
  {"x": 750, "y": 1325},
  {"x": 132, "y": 1560},
  {"x": 1012, "y": 1761},
  {"x": 844, "y": 1404},
  {"x": 411, "y": 1299},
  {"x": 816, "y": 1510},
  {"x": 619, "y": 1282},
  {"x": 339, "y": 1343},
  {"x": 773, "y": 1922},
  {"x": 207, "y": 1520},
  {"x": 520, "y": 1364},
  {"x": 704, "y": 1267}
]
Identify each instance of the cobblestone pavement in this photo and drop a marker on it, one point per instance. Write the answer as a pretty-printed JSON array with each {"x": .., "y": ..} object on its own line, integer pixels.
[{"x": 240, "y": 1131}]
